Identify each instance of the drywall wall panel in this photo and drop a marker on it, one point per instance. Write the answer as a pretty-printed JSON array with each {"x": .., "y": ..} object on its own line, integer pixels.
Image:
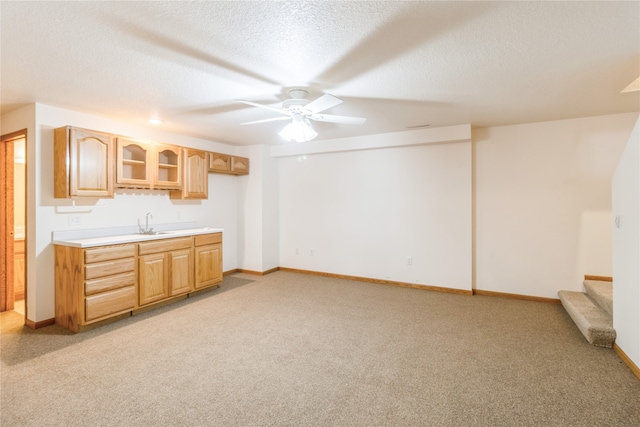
[
  {"x": 543, "y": 203},
  {"x": 400, "y": 214},
  {"x": 258, "y": 209},
  {"x": 626, "y": 248}
]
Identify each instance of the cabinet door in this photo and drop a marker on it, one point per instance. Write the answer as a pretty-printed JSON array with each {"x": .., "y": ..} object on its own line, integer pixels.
[
  {"x": 181, "y": 272},
  {"x": 208, "y": 265},
  {"x": 196, "y": 176},
  {"x": 153, "y": 275},
  {"x": 90, "y": 164},
  {"x": 239, "y": 165},
  {"x": 168, "y": 168},
  {"x": 219, "y": 162},
  {"x": 83, "y": 163},
  {"x": 134, "y": 161}
]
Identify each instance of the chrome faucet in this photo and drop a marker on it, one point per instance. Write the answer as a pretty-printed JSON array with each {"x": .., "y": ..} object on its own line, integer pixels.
[{"x": 146, "y": 229}]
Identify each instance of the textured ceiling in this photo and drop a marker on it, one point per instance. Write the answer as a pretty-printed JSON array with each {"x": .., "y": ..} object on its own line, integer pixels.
[{"x": 399, "y": 64}]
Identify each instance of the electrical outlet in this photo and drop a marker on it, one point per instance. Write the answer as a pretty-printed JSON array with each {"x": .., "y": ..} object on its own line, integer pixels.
[
  {"x": 297, "y": 251},
  {"x": 310, "y": 252},
  {"x": 74, "y": 220},
  {"x": 409, "y": 260}
]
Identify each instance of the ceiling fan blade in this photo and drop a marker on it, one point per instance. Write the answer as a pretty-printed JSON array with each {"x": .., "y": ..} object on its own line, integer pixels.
[
  {"x": 266, "y": 107},
  {"x": 325, "y": 102},
  {"x": 273, "y": 119},
  {"x": 347, "y": 120}
]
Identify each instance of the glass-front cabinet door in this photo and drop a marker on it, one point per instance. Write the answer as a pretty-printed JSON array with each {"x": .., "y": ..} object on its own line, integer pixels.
[
  {"x": 134, "y": 164},
  {"x": 168, "y": 171}
]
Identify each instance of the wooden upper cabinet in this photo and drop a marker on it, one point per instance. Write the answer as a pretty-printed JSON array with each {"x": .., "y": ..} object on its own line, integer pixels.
[
  {"x": 148, "y": 165},
  {"x": 219, "y": 163},
  {"x": 239, "y": 165},
  {"x": 134, "y": 163},
  {"x": 195, "y": 182},
  {"x": 83, "y": 163},
  {"x": 225, "y": 163},
  {"x": 168, "y": 167}
]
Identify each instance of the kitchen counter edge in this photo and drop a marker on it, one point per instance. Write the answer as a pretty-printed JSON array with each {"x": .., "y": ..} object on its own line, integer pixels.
[{"x": 134, "y": 238}]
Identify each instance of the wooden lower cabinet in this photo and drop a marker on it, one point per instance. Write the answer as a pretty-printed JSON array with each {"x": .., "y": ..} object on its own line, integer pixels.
[
  {"x": 153, "y": 284},
  {"x": 166, "y": 268},
  {"x": 101, "y": 283},
  {"x": 167, "y": 273},
  {"x": 208, "y": 259},
  {"x": 181, "y": 272},
  {"x": 93, "y": 284}
]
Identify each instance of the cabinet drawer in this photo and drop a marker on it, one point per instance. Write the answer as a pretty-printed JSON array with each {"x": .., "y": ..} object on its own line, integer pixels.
[
  {"x": 110, "y": 302},
  {"x": 165, "y": 245},
  {"x": 109, "y": 268},
  {"x": 208, "y": 239},
  {"x": 107, "y": 253},
  {"x": 109, "y": 283}
]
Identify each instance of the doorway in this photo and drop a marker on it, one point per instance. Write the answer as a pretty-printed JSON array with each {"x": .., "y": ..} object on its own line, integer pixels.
[{"x": 13, "y": 228}]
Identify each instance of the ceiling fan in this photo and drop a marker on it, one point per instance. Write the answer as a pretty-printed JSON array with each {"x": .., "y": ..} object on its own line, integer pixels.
[{"x": 300, "y": 111}]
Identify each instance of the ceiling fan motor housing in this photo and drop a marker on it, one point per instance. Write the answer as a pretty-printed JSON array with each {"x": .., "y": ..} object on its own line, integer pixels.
[
  {"x": 294, "y": 104},
  {"x": 297, "y": 101}
]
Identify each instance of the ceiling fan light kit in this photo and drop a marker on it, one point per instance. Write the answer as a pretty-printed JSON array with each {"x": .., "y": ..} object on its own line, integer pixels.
[
  {"x": 299, "y": 130},
  {"x": 301, "y": 112}
]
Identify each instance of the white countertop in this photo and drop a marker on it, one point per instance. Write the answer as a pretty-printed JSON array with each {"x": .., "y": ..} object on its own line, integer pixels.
[{"x": 75, "y": 239}]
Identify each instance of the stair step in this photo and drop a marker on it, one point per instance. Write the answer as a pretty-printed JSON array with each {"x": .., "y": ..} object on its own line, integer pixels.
[
  {"x": 595, "y": 324},
  {"x": 602, "y": 293}
]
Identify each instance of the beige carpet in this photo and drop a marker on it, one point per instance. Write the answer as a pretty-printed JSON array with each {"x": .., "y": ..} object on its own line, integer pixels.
[{"x": 296, "y": 350}]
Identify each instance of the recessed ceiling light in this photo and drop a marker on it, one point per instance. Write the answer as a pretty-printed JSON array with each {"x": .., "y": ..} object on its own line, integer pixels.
[{"x": 155, "y": 121}]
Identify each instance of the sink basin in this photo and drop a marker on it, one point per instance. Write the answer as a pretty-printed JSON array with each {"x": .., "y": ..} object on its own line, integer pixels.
[{"x": 154, "y": 233}]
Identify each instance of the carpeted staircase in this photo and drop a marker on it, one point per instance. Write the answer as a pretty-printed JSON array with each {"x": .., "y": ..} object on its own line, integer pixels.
[{"x": 592, "y": 311}]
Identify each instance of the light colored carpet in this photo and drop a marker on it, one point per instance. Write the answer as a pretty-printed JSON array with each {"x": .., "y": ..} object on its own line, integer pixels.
[
  {"x": 289, "y": 349},
  {"x": 595, "y": 324},
  {"x": 601, "y": 293}
]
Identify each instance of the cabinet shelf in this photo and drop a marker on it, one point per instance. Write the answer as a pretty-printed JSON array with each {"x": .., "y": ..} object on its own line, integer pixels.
[
  {"x": 147, "y": 165},
  {"x": 134, "y": 162}
]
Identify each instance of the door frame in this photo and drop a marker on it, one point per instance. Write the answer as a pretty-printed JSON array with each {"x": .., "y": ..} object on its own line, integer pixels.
[{"x": 7, "y": 206}]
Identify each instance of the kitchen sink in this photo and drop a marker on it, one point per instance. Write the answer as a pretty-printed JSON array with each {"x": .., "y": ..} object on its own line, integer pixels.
[{"x": 155, "y": 233}]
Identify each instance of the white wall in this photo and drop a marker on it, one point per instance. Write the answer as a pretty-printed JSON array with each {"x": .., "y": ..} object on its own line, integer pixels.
[
  {"x": 363, "y": 213},
  {"x": 270, "y": 212},
  {"x": 258, "y": 208},
  {"x": 537, "y": 194},
  {"x": 220, "y": 210},
  {"x": 626, "y": 249},
  {"x": 543, "y": 203}
]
